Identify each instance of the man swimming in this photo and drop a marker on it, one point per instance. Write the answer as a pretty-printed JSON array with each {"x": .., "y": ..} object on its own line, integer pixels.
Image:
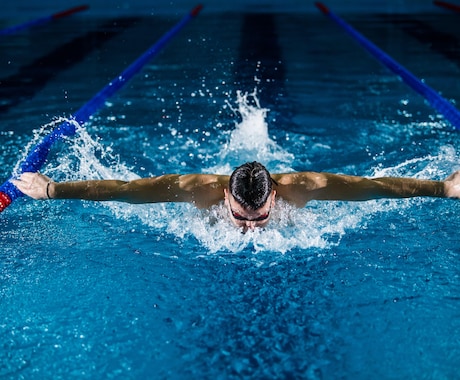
[{"x": 249, "y": 193}]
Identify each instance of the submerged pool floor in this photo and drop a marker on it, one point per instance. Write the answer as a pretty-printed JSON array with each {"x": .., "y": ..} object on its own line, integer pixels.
[{"x": 334, "y": 290}]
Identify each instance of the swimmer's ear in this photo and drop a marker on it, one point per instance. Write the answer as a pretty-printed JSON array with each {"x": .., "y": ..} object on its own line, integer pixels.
[
  {"x": 225, "y": 193},
  {"x": 273, "y": 198}
]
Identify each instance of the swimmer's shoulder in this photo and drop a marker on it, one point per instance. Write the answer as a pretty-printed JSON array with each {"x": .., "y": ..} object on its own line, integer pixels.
[
  {"x": 298, "y": 187},
  {"x": 307, "y": 178},
  {"x": 193, "y": 181},
  {"x": 206, "y": 189}
]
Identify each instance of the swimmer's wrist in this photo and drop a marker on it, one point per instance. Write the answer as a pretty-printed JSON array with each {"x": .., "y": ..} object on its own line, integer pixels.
[
  {"x": 50, "y": 190},
  {"x": 451, "y": 190}
]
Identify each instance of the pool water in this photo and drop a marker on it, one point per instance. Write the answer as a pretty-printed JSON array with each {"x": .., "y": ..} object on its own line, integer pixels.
[{"x": 165, "y": 291}]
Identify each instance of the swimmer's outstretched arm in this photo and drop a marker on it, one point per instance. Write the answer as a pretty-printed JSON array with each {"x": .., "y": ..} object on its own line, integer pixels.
[
  {"x": 299, "y": 188},
  {"x": 203, "y": 190}
]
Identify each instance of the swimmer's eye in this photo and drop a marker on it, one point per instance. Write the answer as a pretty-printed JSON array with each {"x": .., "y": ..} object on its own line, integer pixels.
[{"x": 260, "y": 218}]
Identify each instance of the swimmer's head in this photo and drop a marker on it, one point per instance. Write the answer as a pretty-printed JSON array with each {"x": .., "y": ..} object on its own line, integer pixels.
[
  {"x": 251, "y": 185},
  {"x": 250, "y": 196}
]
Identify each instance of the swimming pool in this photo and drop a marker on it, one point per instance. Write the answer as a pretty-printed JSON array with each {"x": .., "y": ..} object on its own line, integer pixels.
[{"x": 334, "y": 290}]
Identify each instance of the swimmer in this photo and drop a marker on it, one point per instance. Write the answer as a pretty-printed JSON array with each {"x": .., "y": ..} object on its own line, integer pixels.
[{"x": 249, "y": 193}]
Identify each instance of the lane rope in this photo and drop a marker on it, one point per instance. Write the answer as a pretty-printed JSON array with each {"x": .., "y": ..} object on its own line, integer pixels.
[
  {"x": 446, "y": 5},
  {"x": 42, "y": 20},
  {"x": 442, "y": 105},
  {"x": 38, "y": 155}
]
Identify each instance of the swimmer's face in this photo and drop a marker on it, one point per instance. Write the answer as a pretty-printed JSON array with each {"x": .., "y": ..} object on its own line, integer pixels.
[{"x": 249, "y": 219}]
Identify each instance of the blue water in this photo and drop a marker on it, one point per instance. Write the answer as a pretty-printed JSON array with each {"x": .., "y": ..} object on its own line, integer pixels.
[{"x": 332, "y": 291}]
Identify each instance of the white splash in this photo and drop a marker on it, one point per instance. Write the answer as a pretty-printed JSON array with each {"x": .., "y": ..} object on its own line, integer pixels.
[
  {"x": 250, "y": 140},
  {"x": 319, "y": 225},
  {"x": 38, "y": 135}
]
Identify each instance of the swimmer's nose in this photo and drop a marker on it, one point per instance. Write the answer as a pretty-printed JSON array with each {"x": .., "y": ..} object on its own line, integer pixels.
[{"x": 250, "y": 225}]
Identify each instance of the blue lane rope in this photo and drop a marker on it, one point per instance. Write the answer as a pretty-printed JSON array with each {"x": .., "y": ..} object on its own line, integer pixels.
[
  {"x": 446, "y": 5},
  {"x": 38, "y": 155},
  {"x": 42, "y": 20},
  {"x": 439, "y": 103}
]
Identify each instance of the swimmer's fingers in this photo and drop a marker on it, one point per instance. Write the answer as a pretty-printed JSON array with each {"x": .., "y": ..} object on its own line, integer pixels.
[
  {"x": 452, "y": 185},
  {"x": 32, "y": 184}
]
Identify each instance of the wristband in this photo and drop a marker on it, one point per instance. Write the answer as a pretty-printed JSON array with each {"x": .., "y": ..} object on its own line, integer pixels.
[{"x": 47, "y": 190}]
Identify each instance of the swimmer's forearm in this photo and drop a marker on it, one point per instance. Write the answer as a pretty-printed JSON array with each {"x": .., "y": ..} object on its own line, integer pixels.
[
  {"x": 351, "y": 188},
  {"x": 165, "y": 188},
  {"x": 95, "y": 190},
  {"x": 391, "y": 187}
]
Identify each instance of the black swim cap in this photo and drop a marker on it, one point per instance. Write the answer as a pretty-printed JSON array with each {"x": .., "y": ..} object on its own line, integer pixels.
[{"x": 251, "y": 185}]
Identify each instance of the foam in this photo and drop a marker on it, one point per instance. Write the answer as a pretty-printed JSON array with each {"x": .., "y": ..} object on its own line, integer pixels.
[
  {"x": 320, "y": 225},
  {"x": 250, "y": 140}
]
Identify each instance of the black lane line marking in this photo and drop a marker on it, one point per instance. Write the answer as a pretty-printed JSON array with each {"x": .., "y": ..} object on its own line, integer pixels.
[
  {"x": 440, "y": 42},
  {"x": 260, "y": 56},
  {"x": 31, "y": 78}
]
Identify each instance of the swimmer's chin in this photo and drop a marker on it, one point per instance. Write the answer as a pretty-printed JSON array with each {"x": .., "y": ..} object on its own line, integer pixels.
[{"x": 244, "y": 230}]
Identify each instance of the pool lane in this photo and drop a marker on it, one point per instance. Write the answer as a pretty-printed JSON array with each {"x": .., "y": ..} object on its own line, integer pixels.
[
  {"x": 260, "y": 56},
  {"x": 439, "y": 41},
  {"x": 31, "y": 78}
]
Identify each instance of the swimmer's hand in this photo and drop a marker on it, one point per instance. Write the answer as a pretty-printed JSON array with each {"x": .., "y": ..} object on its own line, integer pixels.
[
  {"x": 452, "y": 185},
  {"x": 35, "y": 185}
]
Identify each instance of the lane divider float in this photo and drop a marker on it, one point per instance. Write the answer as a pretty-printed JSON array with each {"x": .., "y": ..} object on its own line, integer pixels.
[
  {"x": 442, "y": 105},
  {"x": 38, "y": 155},
  {"x": 445, "y": 4},
  {"x": 42, "y": 20}
]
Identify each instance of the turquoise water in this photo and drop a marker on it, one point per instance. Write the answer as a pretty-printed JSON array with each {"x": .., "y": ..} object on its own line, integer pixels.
[{"x": 334, "y": 290}]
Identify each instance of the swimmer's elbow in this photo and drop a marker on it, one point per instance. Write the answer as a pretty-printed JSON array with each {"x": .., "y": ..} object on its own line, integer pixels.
[
  {"x": 131, "y": 192},
  {"x": 151, "y": 190}
]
